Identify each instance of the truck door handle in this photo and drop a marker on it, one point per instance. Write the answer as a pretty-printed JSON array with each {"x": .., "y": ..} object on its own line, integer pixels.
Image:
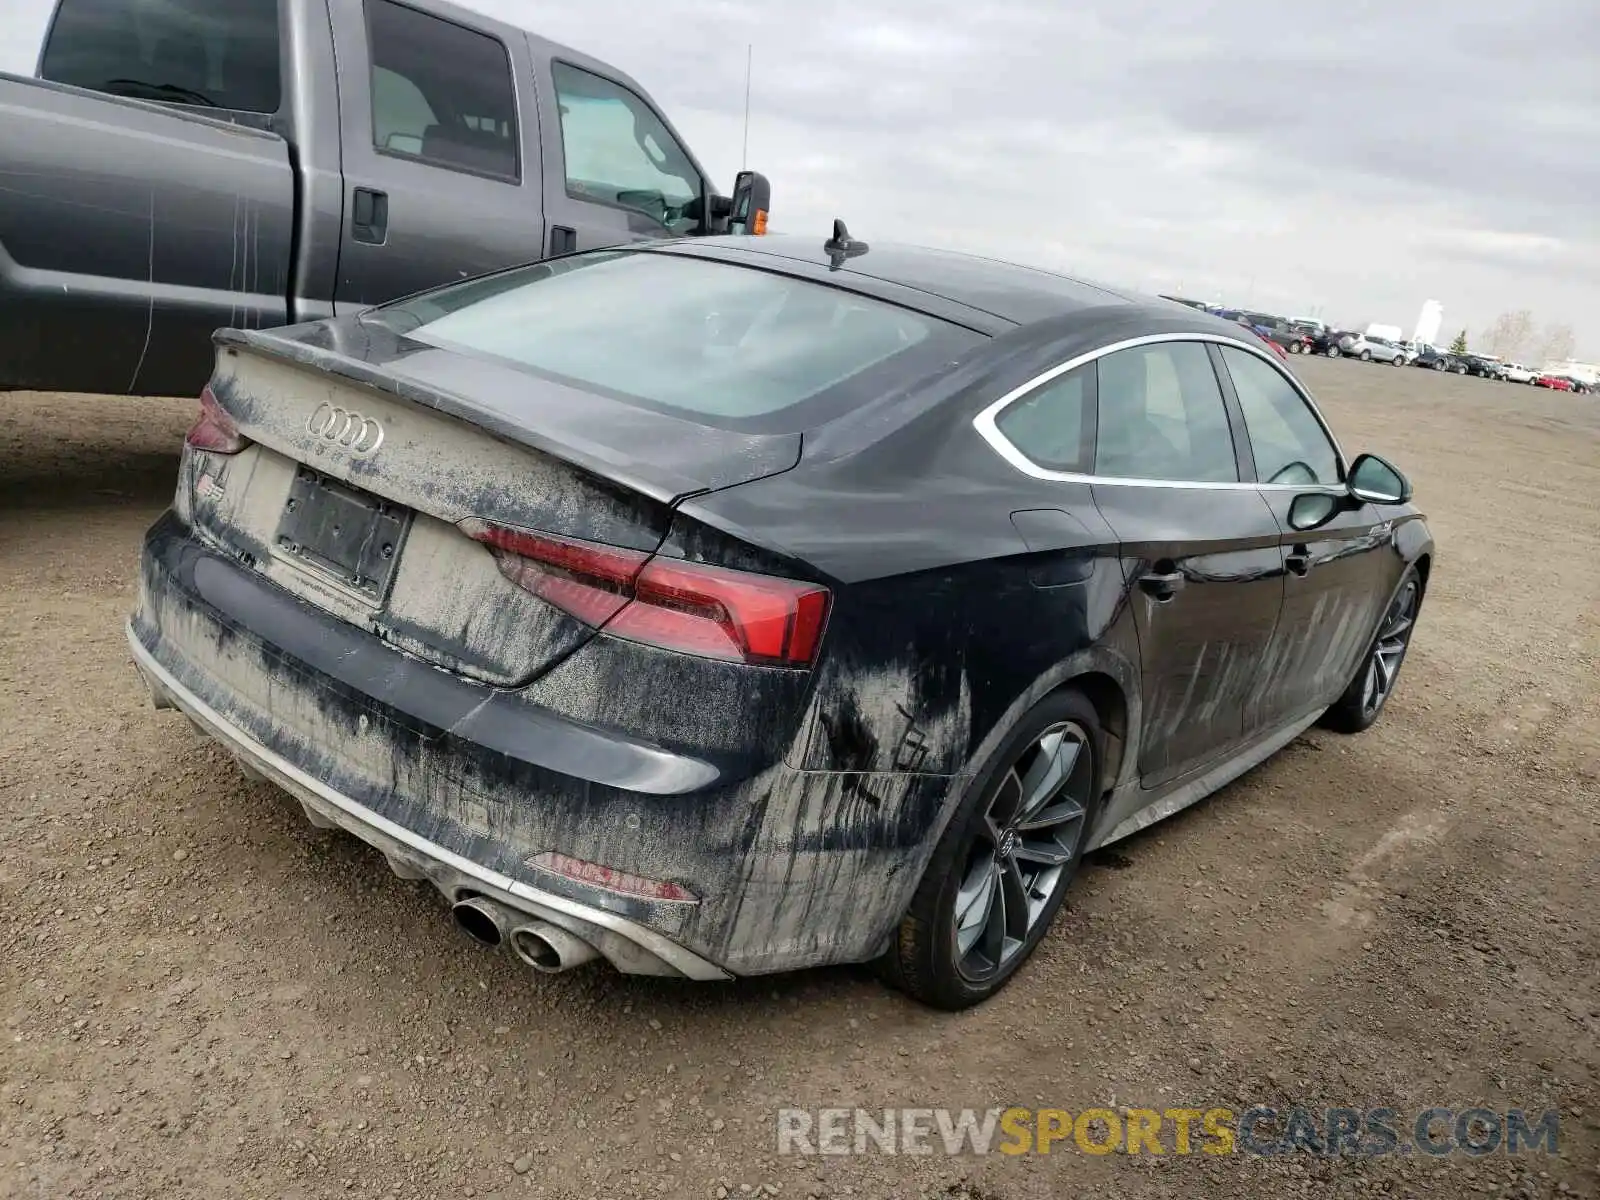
[
  {"x": 1299, "y": 561},
  {"x": 1162, "y": 584},
  {"x": 369, "y": 217},
  {"x": 563, "y": 240}
]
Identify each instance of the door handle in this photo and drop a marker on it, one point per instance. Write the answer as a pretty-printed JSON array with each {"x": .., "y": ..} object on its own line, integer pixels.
[
  {"x": 1298, "y": 561},
  {"x": 1163, "y": 585},
  {"x": 563, "y": 240},
  {"x": 369, "y": 216}
]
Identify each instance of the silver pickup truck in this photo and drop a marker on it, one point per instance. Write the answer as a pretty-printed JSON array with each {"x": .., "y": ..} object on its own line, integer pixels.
[{"x": 183, "y": 165}]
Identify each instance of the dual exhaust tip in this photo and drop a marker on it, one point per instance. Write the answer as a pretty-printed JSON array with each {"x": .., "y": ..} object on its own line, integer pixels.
[{"x": 544, "y": 947}]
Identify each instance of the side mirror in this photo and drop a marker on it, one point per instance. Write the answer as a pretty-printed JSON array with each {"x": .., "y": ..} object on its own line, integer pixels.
[
  {"x": 1374, "y": 481},
  {"x": 752, "y": 199}
]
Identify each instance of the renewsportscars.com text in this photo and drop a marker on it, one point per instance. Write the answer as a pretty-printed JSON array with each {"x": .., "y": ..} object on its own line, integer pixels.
[{"x": 1259, "y": 1130}]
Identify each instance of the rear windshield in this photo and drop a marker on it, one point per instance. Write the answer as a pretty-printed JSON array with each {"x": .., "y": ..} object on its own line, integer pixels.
[
  {"x": 731, "y": 345},
  {"x": 195, "y": 52}
]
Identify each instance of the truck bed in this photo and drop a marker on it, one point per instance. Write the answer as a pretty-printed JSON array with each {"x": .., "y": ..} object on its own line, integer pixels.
[{"x": 129, "y": 230}]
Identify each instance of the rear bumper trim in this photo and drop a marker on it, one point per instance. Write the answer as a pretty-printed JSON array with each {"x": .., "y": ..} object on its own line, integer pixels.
[{"x": 396, "y": 841}]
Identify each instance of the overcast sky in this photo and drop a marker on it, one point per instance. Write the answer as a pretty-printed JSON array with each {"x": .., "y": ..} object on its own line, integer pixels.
[{"x": 1349, "y": 163}]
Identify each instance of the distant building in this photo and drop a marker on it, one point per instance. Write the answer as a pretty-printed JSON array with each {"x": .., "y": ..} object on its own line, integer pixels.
[{"x": 1429, "y": 321}]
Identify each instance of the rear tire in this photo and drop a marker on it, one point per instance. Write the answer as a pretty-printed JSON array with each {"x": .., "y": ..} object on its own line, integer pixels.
[
  {"x": 1366, "y": 356},
  {"x": 1364, "y": 699},
  {"x": 1014, "y": 845}
]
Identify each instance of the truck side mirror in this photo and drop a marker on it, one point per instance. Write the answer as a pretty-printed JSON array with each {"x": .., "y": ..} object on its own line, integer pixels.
[{"x": 752, "y": 199}]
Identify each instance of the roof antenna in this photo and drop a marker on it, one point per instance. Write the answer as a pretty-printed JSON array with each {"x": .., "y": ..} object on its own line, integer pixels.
[
  {"x": 842, "y": 246},
  {"x": 749, "y": 58}
]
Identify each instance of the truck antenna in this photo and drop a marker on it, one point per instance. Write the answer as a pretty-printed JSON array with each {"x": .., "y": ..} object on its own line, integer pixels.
[{"x": 749, "y": 56}]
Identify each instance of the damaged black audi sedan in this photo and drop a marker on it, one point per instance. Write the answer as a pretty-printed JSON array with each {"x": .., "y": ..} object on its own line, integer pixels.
[{"x": 746, "y": 604}]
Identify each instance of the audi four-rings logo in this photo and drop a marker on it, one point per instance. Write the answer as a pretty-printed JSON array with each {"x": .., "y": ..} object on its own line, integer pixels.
[{"x": 346, "y": 428}]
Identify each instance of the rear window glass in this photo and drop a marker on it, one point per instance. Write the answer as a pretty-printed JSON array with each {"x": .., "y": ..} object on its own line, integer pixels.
[
  {"x": 726, "y": 343},
  {"x": 186, "y": 51}
]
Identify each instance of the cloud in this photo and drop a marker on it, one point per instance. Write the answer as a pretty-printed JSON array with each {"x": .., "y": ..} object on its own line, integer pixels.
[{"x": 1348, "y": 162}]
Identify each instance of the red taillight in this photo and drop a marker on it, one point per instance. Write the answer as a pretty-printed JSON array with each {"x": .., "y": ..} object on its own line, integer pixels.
[
  {"x": 214, "y": 430},
  {"x": 589, "y": 581},
  {"x": 689, "y": 607}
]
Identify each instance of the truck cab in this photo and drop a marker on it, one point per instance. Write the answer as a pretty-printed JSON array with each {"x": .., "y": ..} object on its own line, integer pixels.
[{"x": 180, "y": 166}]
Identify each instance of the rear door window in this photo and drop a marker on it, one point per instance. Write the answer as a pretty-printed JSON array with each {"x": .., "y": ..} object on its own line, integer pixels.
[
  {"x": 194, "y": 52},
  {"x": 441, "y": 93},
  {"x": 1162, "y": 416},
  {"x": 726, "y": 343}
]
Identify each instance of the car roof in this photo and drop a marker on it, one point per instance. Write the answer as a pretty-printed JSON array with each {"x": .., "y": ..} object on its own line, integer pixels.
[{"x": 1012, "y": 293}]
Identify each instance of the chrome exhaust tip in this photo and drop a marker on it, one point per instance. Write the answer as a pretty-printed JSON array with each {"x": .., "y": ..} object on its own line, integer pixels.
[
  {"x": 549, "y": 948},
  {"x": 484, "y": 921}
]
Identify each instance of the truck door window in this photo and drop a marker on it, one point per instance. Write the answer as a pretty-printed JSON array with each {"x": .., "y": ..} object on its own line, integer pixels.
[
  {"x": 618, "y": 151},
  {"x": 181, "y": 51},
  {"x": 441, "y": 93}
]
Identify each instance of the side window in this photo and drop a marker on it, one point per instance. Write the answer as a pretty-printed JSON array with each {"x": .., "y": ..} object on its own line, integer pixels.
[
  {"x": 441, "y": 93},
  {"x": 1054, "y": 425},
  {"x": 182, "y": 51},
  {"x": 617, "y": 150},
  {"x": 1161, "y": 416},
  {"x": 1288, "y": 441}
]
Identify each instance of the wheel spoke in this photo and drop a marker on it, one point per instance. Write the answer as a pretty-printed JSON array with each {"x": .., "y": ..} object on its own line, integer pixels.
[
  {"x": 1385, "y": 671},
  {"x": 1051, "y": 767},
  {"x": 1007, "y": 798},
  {"x": 1397, "y": 627},
  {"x": 994, "y": 928},
  {"x": 975, "y": 903},
  {"x": 1062, "y": 812},
  {"x": 1369, "y": 691},
  {"x": 1013, "y": 892},
  {"x": 1043, "y": 852}
]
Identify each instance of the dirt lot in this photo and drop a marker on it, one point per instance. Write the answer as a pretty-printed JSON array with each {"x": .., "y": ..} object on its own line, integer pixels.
[{"x": 200, "y": 992}]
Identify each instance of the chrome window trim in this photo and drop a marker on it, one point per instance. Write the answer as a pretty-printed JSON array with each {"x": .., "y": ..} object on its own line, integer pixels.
[{"x": 986, "y": 421}]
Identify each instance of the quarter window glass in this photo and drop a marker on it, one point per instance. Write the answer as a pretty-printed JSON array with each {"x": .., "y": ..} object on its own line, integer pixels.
[
  {"x": 1049, "y": 425},
  {"x": 1287, "y": 439},
  {"x": 185, "y": 51},
  {"x": 618, "y": 151},
  {"x": 1162, "y": 416},
  {"x": 441, "y": 93}
]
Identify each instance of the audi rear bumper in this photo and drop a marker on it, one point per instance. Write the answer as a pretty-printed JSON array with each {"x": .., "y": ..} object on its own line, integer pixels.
[{"x": 630, "y": 947}]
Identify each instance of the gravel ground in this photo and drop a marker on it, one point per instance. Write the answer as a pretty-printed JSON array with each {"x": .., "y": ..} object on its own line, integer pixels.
[{"x": 201, "y": 992}]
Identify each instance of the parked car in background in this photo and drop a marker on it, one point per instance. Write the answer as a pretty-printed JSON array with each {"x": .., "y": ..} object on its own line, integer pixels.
[
  {"x": 1440, "y": 360},
  {"x": 1484, "y": 366},
  {"x": 1279, "y": 332},
  {"x": 1559, "y": 383},
  {"x": 174, "y": 170},
  {"x": 1517, "y": 373},
  {"x": 1330, "y": 342},
  {"x": 1381, "y": 349}
]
